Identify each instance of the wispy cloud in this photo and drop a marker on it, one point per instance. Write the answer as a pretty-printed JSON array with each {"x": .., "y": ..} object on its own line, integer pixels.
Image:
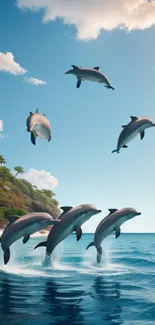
[
  {"x": 34, "y": 81},
  {"x": 2, "y": 136},
  {"x": 42, "y": 179},
  {"x": 1, "y": 125},
  {"x": 8, "y": 64},
  {"x": 91, "y": 16}
]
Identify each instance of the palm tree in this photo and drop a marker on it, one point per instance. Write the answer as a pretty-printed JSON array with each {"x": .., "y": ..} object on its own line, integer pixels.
[
  {"x": 2, "y": 160},
  {"x": 19, "y": 170}
]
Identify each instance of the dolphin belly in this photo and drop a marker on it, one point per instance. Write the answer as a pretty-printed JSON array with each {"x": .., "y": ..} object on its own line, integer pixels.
[
  {"x": 26, "y": 231},
  {"x": 42, "y": 131},
  {"x": 102, "y": 234}
]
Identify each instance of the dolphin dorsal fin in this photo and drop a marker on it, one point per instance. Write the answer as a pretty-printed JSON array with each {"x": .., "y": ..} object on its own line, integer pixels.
[
  {"x": 66, "y": 208},
  {"x": 134, "y": 118},
  {"x": 74, "y": 66},
  {"x": 112, "y": 210},
  {"x": 12, "y": 219},
  {"x": 31, "y": 113},
  {"x": 37, "y": 110},
  {"x": 96, "y": 68}
]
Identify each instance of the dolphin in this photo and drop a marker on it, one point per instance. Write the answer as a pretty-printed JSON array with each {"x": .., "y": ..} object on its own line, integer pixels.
[
  {"x": 136, "y": 125},
  {"x": 23, "y": 227},
  {"x": 111, "y": 223},
  {"x": 38, "y": 125},
  {"x": 70, "y": 220},
  {"x": 94, "y": 74}
]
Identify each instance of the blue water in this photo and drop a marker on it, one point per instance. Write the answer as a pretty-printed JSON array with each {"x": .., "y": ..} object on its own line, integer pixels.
[{"x": 120, "y": 291}]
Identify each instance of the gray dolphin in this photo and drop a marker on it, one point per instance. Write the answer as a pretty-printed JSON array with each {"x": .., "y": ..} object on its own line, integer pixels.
[
  {"x": 94, "y": 74},
  {"x": 137, "y": 125},
  {"x": 70, "y": 220},
  {"x": 38, "y": 125},
  {"x": 23, "y": 227},
  {"x": 111, "y": 223}
]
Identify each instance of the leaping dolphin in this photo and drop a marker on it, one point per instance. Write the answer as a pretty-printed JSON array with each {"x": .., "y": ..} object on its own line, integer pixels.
[
  {"x": 23, "y": 227},
  {"x": 137, "y": 125},
  {"x": 39, "y": 126},
  {"x": 111, "y": 223},
  {"x": 94, "y": 74},
  {"x": 70, "y": 220}
]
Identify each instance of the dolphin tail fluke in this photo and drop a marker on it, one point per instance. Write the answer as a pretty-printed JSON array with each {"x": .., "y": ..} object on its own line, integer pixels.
[
  {"x": 99, "y": 254},
  {"x": 90, "y": 245},
  {"x": 43, "y": 243},
  {"x": 114, "y": 151},
  {"x": 6, "y": 256},
  {"x": 109, "y": 87}
]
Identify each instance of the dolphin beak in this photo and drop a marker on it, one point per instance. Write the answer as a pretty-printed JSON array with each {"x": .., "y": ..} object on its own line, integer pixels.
[
  {"x": 67, "y": 72},
  {"x": 98, "y": 211},
  {"x": 139, "y": 213}
]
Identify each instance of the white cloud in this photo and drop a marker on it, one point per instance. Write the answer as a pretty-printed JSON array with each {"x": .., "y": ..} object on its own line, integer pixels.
[
  {"x": 34, "y": 81},
  {"x": 91, "y": 16},
  {"x": 2, "y": 136},
  {"x": 8, "y": 64},
  {"x": 42, "y": 179},
  {"x": 1, "y": 125}
]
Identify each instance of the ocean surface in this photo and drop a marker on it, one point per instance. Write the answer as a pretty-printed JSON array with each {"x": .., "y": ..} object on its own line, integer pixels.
[{"x": 75, "y": 290}]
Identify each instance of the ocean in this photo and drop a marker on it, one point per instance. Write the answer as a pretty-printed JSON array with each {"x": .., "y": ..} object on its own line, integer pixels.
[{"x": 75, "y": 290}]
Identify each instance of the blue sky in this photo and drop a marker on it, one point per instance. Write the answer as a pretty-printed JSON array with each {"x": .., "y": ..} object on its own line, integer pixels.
[{"x": 85, "y": 122}]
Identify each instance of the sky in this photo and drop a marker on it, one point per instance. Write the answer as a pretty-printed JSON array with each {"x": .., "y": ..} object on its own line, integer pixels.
[{"x": 39, "y": 40}]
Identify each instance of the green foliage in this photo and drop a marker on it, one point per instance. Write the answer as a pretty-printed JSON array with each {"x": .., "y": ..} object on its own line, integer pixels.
[
  {"x": 13, "y": 211},
  {"x": 48, "y": 193},
  {"x": 19, "y": 170},
  {"x": 2, "y": 160},
  {"x": 18, "y": 197},
  {"x": 5, "y": 174}
]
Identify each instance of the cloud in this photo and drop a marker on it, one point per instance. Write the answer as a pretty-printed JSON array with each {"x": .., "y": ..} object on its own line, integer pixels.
[
  {"x": 35, "y": 82},
  {"x": 91, "y": 16},
  {"x": 1, "y": 125},
  {"x": 42, "y": 179},
  {"x": 2, "y": 136},
  {"x": 8, "y": 64}
]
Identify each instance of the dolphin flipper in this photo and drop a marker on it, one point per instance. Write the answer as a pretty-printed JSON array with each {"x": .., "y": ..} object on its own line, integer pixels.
[
  {"x": 43, "y": 243},
  {"x": 33, "y": 137},
  {"x": 90, "y": 245},
  {"x": 25, "y": 239},
  {"x": 99, "y": 254},
  {"x": 6, "y": 256},
  {"x": 118, "y": 232},
  {"x": 78, "y": 83},
  {"x": 125, "y": 146},
  {"x": 78, "y": 231},
  {"x": 142, "y": 135}
]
